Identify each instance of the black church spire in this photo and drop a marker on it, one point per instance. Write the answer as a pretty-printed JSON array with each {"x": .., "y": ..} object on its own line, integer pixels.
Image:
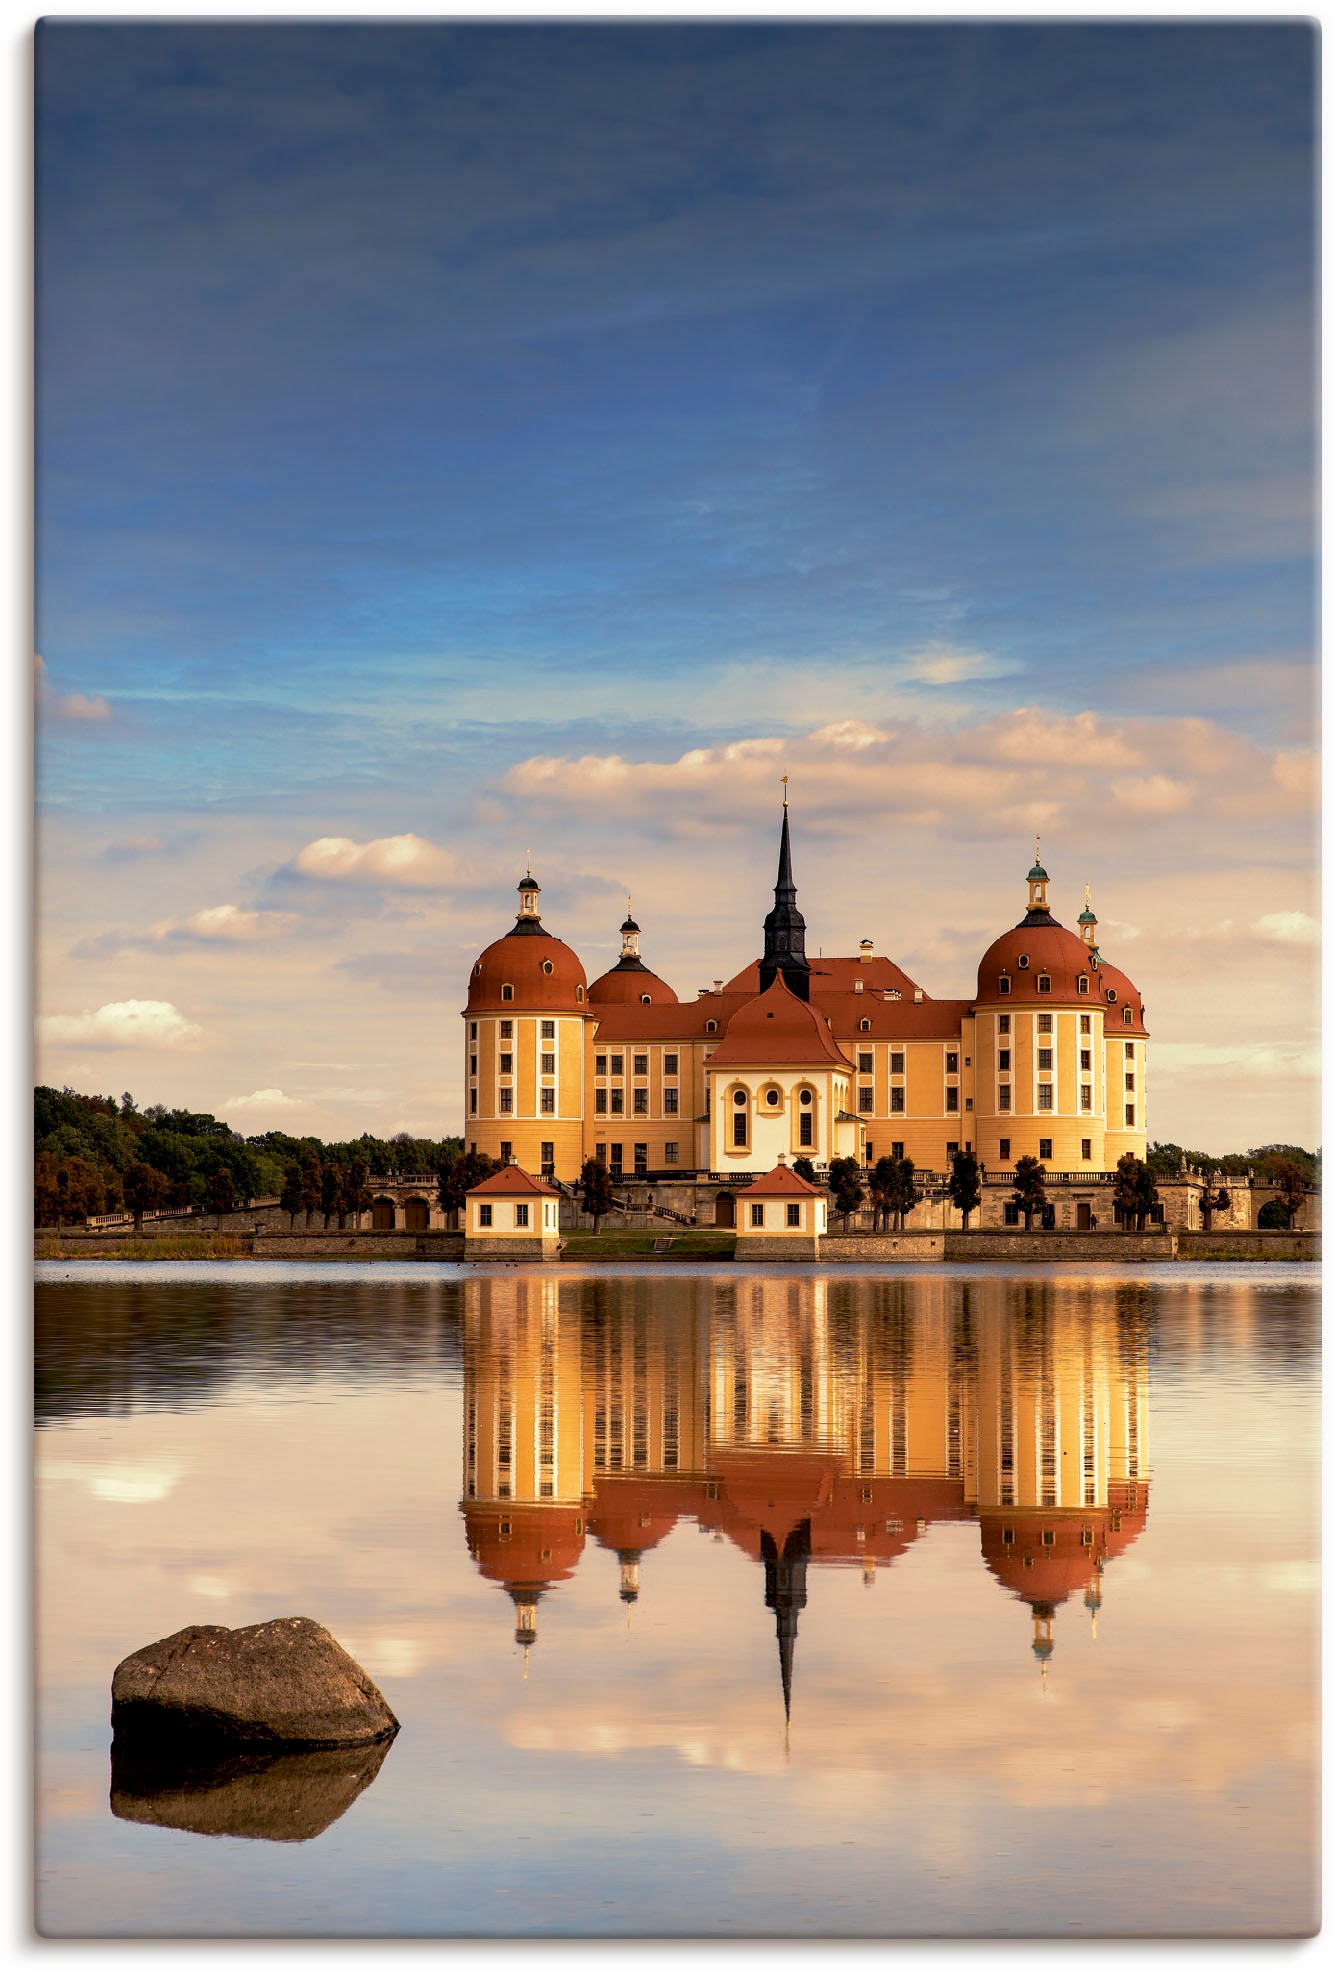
[{"x": 785, "y": 926}]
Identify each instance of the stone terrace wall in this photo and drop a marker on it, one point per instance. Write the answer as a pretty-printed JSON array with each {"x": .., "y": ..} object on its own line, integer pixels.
[
  {"x": 1057, "y": 1248},
  {"x": 1249, "y": 1245},
  {"x": 856, "y": 1248}
]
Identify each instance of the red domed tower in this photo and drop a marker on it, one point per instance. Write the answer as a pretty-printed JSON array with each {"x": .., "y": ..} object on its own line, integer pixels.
[
  {"x": 630, "y": 982},
  {"x": 1059, "y": 1046},
  {"x": 524, "y": 1048}
]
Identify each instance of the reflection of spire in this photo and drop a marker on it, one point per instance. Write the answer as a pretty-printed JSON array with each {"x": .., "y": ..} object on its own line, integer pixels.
[
  {"x": 526, "y": 1618},
  {"x": 786, "y": 1593},
  {"x": 1043, "y": 1612},
  {"x": 629, "y": 1558},
  {"x": 1093, "y": 1601}
]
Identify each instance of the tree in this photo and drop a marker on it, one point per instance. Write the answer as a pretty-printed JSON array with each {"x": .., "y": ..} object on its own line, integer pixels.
[
  {"x": 145, "y": 1188},
  {"x": 459, "y": 1175},
  {"x": 359, "y": 1190},
  {"x": 1028, "y": 1188},
  {"x": 310, "y": 1187},
  {"x": 846, "y": 1187},
  {"x": 329, "y": 1191},
  {"x": 291, "y": 1196},
  {"x": 893, "y": 1190},
  {"x": 1289, "y": 1179},
  {"x": 804, "y": 1167},
  {"x": 1134, "y": 1191},
  {"x": 595, "y": 1190},
  {"x": 1211, "y": 1202},
  {"x": 963, "y": 1185},
  {"x": 222, "y": 1191}
]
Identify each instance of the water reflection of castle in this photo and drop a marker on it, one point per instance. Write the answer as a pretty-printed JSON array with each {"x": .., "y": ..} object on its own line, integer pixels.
[{"x": 810, "y": 1422}]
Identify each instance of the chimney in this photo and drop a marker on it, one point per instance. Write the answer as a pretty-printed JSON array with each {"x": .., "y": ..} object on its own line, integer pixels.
[
  {"x": 918, "y": 995},
  {"x": 865, "y": 951},
  {"x": 858, "y": 985},
  {"x": 718, "y": 987}
]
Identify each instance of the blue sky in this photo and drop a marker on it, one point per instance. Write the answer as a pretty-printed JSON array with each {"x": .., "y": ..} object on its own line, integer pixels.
[{"x": 419, "y": 402}]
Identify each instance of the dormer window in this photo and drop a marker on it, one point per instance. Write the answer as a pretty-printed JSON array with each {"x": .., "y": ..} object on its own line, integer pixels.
[
  {"x": 547, "y": 966},
  {"x": 865, "y": 1026},
  {"x": 1111, "y": 996},
  {"x": 858, "y": 985},
  {"x": 1004, "y": 984},
  {"x": 1045, "y": 982},
  {"x": 507, "y": 992},
  {"x": 579, "y": 992},
  {"x": 1083, "y": 984},
  {"x": 1022, "y": 963},
  {"x": 1127, "y": 1016},
  {"x": 644, "y": 999},
  {"x": 712, "y": 1026}
]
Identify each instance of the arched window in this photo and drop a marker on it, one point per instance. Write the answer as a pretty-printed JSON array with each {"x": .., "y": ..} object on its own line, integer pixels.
[
  {"x": 579, "y": 992},
  {"x": 1083, "y": 983},
  {"x": 739, "y": 1118},
  {"x": 644, "y": 999},
  {"x": 712, "y": 1026},
  {"x": 1004, "y": 984},
  {"x": 1127, "y": 1016},
  {"x": 507, "y": 992},
  {"x": 865, "y": 1026}
]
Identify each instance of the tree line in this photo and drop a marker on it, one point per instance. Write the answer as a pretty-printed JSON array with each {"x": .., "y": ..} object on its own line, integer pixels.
[{"x": 95, "y": 1154}]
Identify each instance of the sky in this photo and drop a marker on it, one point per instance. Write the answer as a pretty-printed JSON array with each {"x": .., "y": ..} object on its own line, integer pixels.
[{"x": 465, "y": 442}]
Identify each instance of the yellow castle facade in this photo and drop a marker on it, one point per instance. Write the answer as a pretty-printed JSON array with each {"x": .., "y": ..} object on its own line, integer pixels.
[{"x": 796, "y": 1057}]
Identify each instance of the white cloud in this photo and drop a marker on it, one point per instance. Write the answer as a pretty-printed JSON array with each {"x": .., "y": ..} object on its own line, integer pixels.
[
  {"x": 225, "y": 923},
  {"x": 1157, "y": 794},
  {"x": 122, "y": 1023},
  {"x": 263, "y": 1098},
  {"x": 394, "y": 861},
  {"x": 940, "y": 663},
  {"x": 1288, "y": 927},
  {"x": 76, "y": 705}
]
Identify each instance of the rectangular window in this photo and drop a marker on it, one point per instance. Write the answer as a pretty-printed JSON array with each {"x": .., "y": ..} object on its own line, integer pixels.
[
  {"x": 506, "y": 1060},
  {"x": 507, "y": 1101},
  {"x": 507, "y": 1029},
  {"x": 1004, "y": 1060},
  {"x": 1087, "y": 1150},
  {"x": 640, "y": 1064},
  {"x": 617, "y": 1101},
  {"x": 670, "y": 1101},
  {"x": 548, "y": 1030},
  {"x": 473, "y": 1101},
  {"x": 1004, "y": 985},
  {"x": 897, "y": 1064},
  {"x": 473, "y": 1064},
  {"x": 641, "y": 1154},
  {"x": 1129, "y": 1050},
  {"x": 640, "y": 1101},
  {"x": 865, "y": 1101},
  {"x": 601, "y": 1152},
  {"x": 1130, "y": 1083},
  {"x": 521, "y": 1214},
  {"x": 1046, "y": 1094},
  {"x": 1011, "y": 1214},
  {"x": 1004, "y": 1023},
  {"x": 739, "y": 1129},
  {"x": 1044, "y": 982},
  {"x": 969, "y": 1101},
  {"x": 794, "y": 1214},
  {"x": 865, "y": 1064},
  {"x": 898, "y": 1150},
  {"x": 1004, "y": 1148},
  {"x": 670, "y": 1064},
  {"x": 953, "y": 1064},
  {"x": 1004, "y": 1097},
  {"x": 1045, "y": 1022},
  {"x": 1086, "y": 1097},
  {"x": 952, "y": 1148},
  {"x": 505, "y": 1152},
  {"x": 897, "y": 1101},
  {"x": 547, "y": 1101},
  {"x": 1046, "y": 1057},
  {"x": 1131, "y": 1114},
  {"x": 600, "y": 1101},
  {"x": 547, "y": 1064},
  {"x": 952, "y": 1101},
  {"x": 805, "y": 1132},
  {"x": 670, "y": 1153},
  {"x": 758, "y": 1214},
  {"x": 1085, "y": 1022},
  {"x": 616, "y": 1063},
  {"x": 473, "y": 1029},
  {"x": 600, "y": 1064},
  {"x": 1045, "y": 1148},
  {"x": 484, "y": 1214},
  {"x": 1085, "y": 1060},
  {"x": 546, "y": 1153},
  {"x": 616, "y": 1154}
]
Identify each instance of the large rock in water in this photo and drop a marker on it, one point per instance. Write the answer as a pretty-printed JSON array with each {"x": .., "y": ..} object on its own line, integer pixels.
[{"x": 276, "y": 1683}]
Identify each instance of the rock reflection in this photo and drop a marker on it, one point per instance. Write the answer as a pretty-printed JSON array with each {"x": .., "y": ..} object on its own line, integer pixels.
[
  {"x": 257, "y": 1796},
  {"x": 810, "y": 1422}
]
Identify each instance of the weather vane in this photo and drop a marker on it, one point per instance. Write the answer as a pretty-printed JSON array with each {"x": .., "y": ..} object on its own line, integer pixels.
[{"x": 785, "y": 778}]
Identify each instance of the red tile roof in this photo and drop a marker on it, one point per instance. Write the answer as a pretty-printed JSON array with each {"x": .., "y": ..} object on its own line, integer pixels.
[
  {"x": 777, "y": 1029},
  {"x": 512, "y": 1182},
  {"x": 781, "y": 1182}
]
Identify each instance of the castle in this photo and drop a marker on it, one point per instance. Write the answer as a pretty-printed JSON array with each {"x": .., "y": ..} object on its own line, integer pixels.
[{"x": 803, "y": 1057}]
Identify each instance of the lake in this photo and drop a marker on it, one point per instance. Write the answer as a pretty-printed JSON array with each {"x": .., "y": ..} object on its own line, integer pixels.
[{"x": 714, "y": 1601}]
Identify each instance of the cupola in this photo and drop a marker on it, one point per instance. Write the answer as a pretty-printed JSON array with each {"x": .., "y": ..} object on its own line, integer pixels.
[
  {"x": 1038, "y": 882},
  {"x": 1088, "y": 922}
]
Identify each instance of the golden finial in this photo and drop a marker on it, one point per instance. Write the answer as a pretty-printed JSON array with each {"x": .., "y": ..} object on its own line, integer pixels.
[
  {"x": 1087, "y": 896},
  {"x": 528, "y": 862},
  {"x": 785, "y": 778},
  {"x": 628, "y": 901},
  {"x": 1036, "y": 848}
]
